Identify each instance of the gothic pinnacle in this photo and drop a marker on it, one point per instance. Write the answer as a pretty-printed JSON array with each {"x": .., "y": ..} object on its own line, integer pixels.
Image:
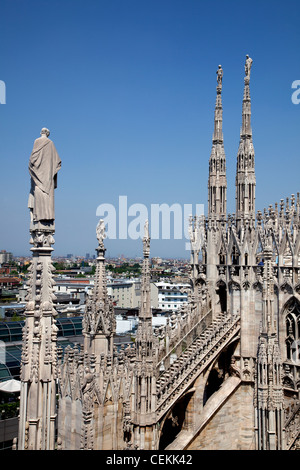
[
  {"x": 246, "y": 114},
  {"x": 245, "y": 170},
  {"x": 99, "y": 321},
  {"x": 218, "y": 122},
  {"x": 217, "y": 184}
]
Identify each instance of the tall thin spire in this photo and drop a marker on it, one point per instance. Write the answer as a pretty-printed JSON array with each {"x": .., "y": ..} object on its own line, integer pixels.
[
  {"x": 217, "y": 184},
  {"x": 245, "y": 170},
  {"x": 146, "y": 305},
  {"x": 144, "y": 382},
  {"x": 39, "y": 352},
  {"x": 99, "y": 319},
  {"x": 144, "y": 331}
]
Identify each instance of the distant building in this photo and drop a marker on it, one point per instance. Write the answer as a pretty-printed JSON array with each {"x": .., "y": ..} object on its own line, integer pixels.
[
  {"x": 72, "y": 286},
  {"x": 127, "y": 293},
  {"x": 5, "y": 256},
  {"x": 9, "y": 282},
  {"x": 172, "y": 296}
]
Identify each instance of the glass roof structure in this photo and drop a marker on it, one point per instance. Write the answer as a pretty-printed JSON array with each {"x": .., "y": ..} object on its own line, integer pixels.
[
  {"x": 11, "y": 331},
  {"x": 11, "y": 343}
]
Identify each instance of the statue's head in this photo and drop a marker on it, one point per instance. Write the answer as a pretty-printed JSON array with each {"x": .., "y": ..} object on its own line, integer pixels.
[{"x": 45, "y": 132}]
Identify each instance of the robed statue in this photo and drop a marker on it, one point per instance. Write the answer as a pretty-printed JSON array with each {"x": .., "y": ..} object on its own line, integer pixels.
[
  {"x": 100, "y": 231},
  {"x": 248, "y": 65},
  {"x": 44, "y": 164}
]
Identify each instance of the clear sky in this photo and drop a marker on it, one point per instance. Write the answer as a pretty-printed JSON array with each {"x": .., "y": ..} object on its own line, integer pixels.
[{"x": 127, "y": 89}]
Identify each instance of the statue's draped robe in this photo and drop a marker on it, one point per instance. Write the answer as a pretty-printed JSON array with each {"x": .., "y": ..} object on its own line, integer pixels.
[{"x": 44, "y": 164}]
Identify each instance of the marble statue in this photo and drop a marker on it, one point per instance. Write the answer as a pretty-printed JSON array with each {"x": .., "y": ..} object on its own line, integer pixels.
[
  {"x": 219, "y": 75},
  {"x": 100, "y": 231},
  {"x": 248, "y": 65},
  {"x": 44, "y": 164}
]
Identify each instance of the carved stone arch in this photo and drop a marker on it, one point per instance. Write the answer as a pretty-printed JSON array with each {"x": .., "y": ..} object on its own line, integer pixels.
[
  {"x": 287, "y": 288},
  {"x": 221, "y": 281},
  {"x": 200, "y": 281},
  {"x": 288, "y": 381},
  {"x": 233, "y": 285},
  {"x": 297, "y": 289},
  {"x": 291, "y": 317},
  {"x": 162, "y": 423},
  {"x": 174, "y": 420},
  {"x": 291, "y": 305},
  {"x": 257, "y": 286},
  {"x": 223, "y": 367}
]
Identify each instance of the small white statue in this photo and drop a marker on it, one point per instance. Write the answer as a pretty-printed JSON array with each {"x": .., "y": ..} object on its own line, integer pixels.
[{"x": 100, "y": 231}]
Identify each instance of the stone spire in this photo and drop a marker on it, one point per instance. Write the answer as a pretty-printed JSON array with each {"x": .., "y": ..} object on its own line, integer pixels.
[
  {"x": 245, "y": 170},
  {"x": 39, "y": 352},
  {"x": 217, "y": 184},
  {"x": 268, "y": 384},
  {"x": 99, "y": 321},
  {"x": 144, "y": 381},
  {"x": 144, "y": 331}
]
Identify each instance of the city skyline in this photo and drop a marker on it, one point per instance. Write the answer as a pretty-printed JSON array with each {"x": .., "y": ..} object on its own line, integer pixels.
[{"x": 128, "y": 94}]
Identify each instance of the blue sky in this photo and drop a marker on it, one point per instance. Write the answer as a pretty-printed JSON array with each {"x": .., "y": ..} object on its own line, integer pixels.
[{"x": 127, "y": 89}]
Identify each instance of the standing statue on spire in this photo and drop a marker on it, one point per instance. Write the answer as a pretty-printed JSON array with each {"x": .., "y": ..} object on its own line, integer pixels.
[
  {"x": 146, "y": 238},
  {"x": 248, "y": 65},
  {"x": 219, "y": 75},
  {"x": 44, "y": 165},
  {"x": 100, "y": 231},
  {"x": 146, "y": 229}
]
